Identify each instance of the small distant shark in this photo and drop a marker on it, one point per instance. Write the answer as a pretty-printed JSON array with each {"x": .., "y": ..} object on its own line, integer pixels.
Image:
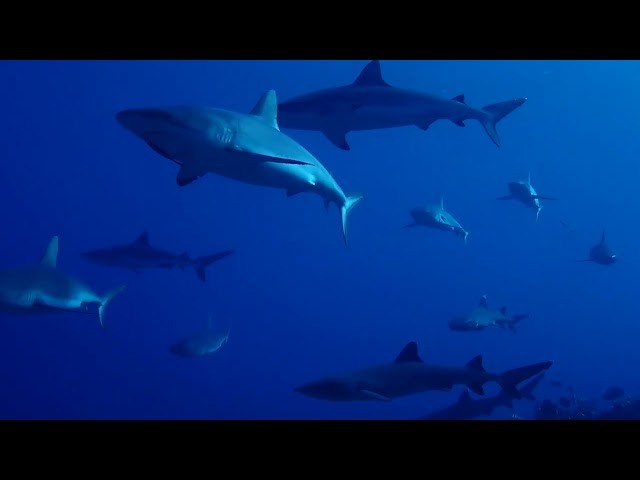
[
  {"x": 601, "y": 253},
  {"x": 483, "y": 316},
  {"x": 246, "y": 147},
  {"x": 467, "y": 408},
  {"x": 139, "y": 255},
  {"x": 43, "y": 288},
  {"x": 203, "y": 344},
  {"x": 370, "y": 103},
  {"x": 523, "y": 192},
  {"x": 409, "y": 375},
  {"x": 435, "y": 216}
]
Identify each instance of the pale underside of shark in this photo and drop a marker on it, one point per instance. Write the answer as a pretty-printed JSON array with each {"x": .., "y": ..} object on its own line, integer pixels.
[
  {"x": 247, "y": 147},
  {"x": 370, "y": 103},
  {"x": 140, "y": 255},
  {"x": 409, "y": 375},
  {"x": 43, "y": 288}
]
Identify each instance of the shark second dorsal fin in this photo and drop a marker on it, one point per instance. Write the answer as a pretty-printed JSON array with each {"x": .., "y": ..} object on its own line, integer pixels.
[
  {"x": 483, "y": 302},
  {"x": 142, "y": 240},
  {"x": 50, "y": 256},
  {"x": 475, "y": 363},
  {"x": 267, "y": 109},
  {"x": 371, "y": 76},
  {"x": 409, "y": 354}
]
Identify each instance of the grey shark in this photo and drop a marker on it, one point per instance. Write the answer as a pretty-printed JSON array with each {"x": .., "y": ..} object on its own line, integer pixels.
[
  {"x": 483, "y": 317},
  {"x": 202, "y": 344},
  {"x": 43, "y": 288},
  {"x": 409, "y": 375},
  {"x": 247, "y": 147},
  {"x": 523, "y": 192},
  {"x": 601, "y": 253},
  {"x": 435, "y": 216},
  {"x": 370, "y": 103},
  {"x": 468, "y": 408},
  {"x": 140, "y": 254}
]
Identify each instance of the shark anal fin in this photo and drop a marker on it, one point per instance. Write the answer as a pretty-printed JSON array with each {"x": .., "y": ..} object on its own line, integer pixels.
[
  {"x": 476, "y": 363},
  {"x": 459, "y": 123},
  {"x": 188, "y": 174},
  {"x": 338, "y": 138},
  {"x": 291, "y": 192},
  {"x": 375, "y": 396},
  {"x": 424, "y": 126}
]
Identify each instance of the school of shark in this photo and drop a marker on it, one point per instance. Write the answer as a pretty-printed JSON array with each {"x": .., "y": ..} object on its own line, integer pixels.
[{"x": 252, "y": 147}]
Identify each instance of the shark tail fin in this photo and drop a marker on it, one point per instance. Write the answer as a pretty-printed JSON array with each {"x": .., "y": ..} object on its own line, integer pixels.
[
  {"x": 105, "y": 301},
  {"x": 201, "y": 263},
  {"x": 510, "y": 379},
  {"x": 496, "y": 112},
  {"x": 516, "y": 319},
  {"x": 350, "y": 202}
]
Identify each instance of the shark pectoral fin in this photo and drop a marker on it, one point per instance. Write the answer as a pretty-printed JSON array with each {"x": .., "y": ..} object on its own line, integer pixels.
[
  {"x": 188, "y": 173},
  {"x": 374, "y": 396},
  {"x": 477, "y": 388},
  {"x": 338, "y": 138}
]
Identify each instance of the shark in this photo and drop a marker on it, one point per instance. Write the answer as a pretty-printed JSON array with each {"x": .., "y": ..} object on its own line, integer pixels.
[
  {"x": 601, "y": 253},
  {"x": 523, "y": 192},
  {"x": 408, "y": 375},
  {"x": 483, "y": 317},
  {"x": 246, "y": 147},
  {"x": 140, "y": 254},
  {"x": 44, "y": 288},
  {"x": 202, "y": 344},
  {"x": 435, "y": 216},
  {"x": 370, "y": 103},
  {"x": 468, "y": 408}
]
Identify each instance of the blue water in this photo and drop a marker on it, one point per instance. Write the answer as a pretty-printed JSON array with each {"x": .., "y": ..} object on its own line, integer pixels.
[{"x": 301, "y": 305}]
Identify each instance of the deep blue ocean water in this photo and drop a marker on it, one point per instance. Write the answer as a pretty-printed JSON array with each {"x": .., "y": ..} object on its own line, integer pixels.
[{"x": 300, "y": 304}]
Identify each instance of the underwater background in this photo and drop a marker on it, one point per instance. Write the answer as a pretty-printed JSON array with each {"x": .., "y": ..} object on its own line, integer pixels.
[{"x": 299, "y": 304}]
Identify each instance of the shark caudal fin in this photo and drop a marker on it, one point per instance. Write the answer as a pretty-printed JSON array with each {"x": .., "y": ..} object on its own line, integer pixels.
[
  {"x": 200, "y": 264},
  {"x": 496, "y": 112},
  {"x": 105, "y": 301},
  {"x": 350, "y": 202},
  {"x": 510, "y": 379},
  {"x": 516, "y": 319}
]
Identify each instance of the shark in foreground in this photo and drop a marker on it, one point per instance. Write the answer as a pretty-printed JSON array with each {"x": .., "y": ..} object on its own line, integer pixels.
[
  {"x": 467, "y": 408},
  {"x": 523, "y": 192},
  {"x": 247, "y": 147},
  {"x": 435, "y": 216},
  {"x": 483, "y": 317},
  {"x": 43, "y": 288},
  {"x": 139, "y": 255},
  {"x": 202, "y": 344},
  {"x": 409, "y": 375},
  {"x": 370, "y": 103}
]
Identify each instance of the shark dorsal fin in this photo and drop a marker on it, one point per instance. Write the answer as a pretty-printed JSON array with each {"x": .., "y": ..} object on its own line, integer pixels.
[
  {"x": 409, "y": 354},
  {"x": 503, "y": 310},
  {"x": 371, "y": 75},
  {"x": 464, "y": 397},
  {"x": 483, "y": 302},
  {"x": 475, "y": 363},
  {"x": 442, "y": 202},
  {"x": 142, "y": 240},
  {"x": 50, "y": 256},
  {"x": 267, "y": 109},
  {"x": 459, "y": 98}
]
